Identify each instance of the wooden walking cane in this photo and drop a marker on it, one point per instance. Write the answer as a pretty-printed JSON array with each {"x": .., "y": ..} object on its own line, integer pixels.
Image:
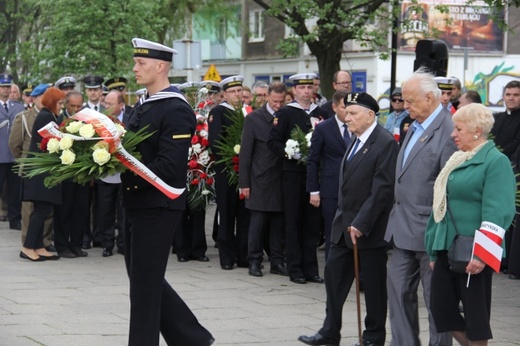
[{"x": 358, "y": 305}]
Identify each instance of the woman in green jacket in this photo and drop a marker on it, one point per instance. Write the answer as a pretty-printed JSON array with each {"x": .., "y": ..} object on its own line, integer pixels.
[{"x": 479, "y": 185}]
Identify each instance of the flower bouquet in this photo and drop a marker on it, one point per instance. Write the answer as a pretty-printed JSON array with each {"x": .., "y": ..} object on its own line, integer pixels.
[
  {"x": 297, "y": 147},
  {"x": 200, "y": 181},
  {"x": 87, "y": 146},
  {"x": 229, "y": 145}
]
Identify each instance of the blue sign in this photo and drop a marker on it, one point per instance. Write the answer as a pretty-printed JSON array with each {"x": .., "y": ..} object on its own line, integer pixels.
[{"x": 359, "y": 81}]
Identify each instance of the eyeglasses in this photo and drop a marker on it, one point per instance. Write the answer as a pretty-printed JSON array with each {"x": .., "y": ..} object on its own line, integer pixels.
[
  {"x": 397, "y": 100},
  {"x": 343, "y": 83}
]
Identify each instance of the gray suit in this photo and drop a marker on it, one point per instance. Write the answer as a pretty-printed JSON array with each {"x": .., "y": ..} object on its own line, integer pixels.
[{"x": 406, "y": 227}]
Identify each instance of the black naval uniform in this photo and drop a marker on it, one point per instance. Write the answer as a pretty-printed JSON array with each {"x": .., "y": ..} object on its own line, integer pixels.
[
  {"x": 303, "y": 222},
  {"x": 231, "y": 248},
  {"x": 155, "y": 306}
]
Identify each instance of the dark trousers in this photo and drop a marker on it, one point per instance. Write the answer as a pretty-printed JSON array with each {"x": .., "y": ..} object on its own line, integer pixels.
[
  {"x": 34, "y": 237},
  {"x": 339, "y": 276},
  {"x": 513, "y": 251},
  {"x": 68, "y": 232},
  {"x": 266, "y": 223},
  {"x": 90, "y": 225},
  {"x": 190, "y": 235},
  {"x": 232, "y": 247},
  {"x": 328, "y": 210},
  {"x": 303, "y": 223},
  {"x": 110, "y": 209},
  {"x": 14, "y": 188},
  {"x": 155, "y": 307}
]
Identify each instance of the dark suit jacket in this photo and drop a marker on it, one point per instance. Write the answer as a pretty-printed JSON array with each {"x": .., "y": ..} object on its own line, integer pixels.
[
  {"x": 367, "y": 190},
  {"x": 260, "y": 168},
  {"x": 326, "y": 153}
]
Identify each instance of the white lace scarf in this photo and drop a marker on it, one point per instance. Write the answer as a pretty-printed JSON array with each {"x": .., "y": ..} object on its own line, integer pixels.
[{"x": 439, "y": 189}]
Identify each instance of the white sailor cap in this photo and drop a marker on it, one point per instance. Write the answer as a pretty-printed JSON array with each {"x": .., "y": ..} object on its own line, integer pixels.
[
  {"x": 303, "y": 78},
  {"x": 66, "y": 83},
  {"x": 210, "y": 85},
  {"x": 445, "y": 83},
  {"x": 189, "y": 86},
  {"x": 149, "y": 49},
  {"x": 140, "y": 92},
  {"x": 232, "y": 81}
]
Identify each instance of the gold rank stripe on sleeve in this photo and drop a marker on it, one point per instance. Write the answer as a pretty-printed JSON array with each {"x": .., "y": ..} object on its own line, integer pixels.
[{"x": 187, "y": 135}]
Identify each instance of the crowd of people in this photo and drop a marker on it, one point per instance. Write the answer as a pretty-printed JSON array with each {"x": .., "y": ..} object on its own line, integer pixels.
[{"x": 398, "y": 192}]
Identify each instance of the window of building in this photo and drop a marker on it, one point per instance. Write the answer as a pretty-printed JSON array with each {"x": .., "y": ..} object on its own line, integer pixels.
[{"x": 256, "y": 26}]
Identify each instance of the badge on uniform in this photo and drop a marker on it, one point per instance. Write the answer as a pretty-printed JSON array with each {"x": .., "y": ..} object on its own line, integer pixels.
[
  {"x": 210, "y": 118},
  {"x": 275, "y": 121}
]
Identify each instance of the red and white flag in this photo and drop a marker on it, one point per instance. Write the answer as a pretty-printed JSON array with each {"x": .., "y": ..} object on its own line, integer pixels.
[
  {"x": 246, "y": 110},
  {"x": 487, "y": 246}
]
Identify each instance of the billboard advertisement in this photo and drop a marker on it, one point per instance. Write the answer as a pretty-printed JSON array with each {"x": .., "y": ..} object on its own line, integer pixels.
[{"x": 459, "y": 25}]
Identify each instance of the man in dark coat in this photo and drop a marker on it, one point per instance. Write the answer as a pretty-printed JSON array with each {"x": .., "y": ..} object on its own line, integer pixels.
[
  {"x": 365, "y": 200},
  {"x": 329, "y": 141},
  {"x": 260, "y": 182},
  {"x": 154, "y": 305},
  {"x": 303, "y": 221},
  {"x": 507, "y": 124}
]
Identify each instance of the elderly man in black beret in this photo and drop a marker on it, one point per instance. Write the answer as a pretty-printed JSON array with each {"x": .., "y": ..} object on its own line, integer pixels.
[{"x": 365, "y": 199}]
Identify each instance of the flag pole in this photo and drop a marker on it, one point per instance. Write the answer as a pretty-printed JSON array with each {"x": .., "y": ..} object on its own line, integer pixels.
[{"x": 356, "y": 272}]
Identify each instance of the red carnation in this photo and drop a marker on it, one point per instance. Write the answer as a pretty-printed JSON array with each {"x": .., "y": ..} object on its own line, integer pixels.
[
  {"x": 235, "y": 159},
  {"x": 43, "y": 143},
  {"x": 199, "y": 128},
  {"x": 204, "y": 142},
  {"x": 192, "y": 164},
  {"x": 195, "y": 181},
  {"x": 194, "y": 140},
  {"x": 203, "y": 175},
  {"x": 235, "y": 168},
  {"x": 201, "y": 105},
  {"x": 209, "y": 181},
  {"x": 241, "y": 196}
]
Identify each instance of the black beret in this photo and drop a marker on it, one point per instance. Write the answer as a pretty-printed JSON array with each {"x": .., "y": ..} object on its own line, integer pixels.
[{"x": 362, "y": 99}]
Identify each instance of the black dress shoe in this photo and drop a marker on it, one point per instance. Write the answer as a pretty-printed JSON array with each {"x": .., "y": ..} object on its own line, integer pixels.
[
  {"x": 299, "y": 281},
  {"x": 227, "y": 266},
  {"x": 316, "y": 279},
  {"x": 318, "y": 339},
  {"x": 50, "y": 258},
  {"x": 17, "y": 225},
  {"x": 279, "y": 269},
  {"x": 78, "y": 252},
  {"x": 183, "y": 259},
  {"x": 201, "y": 259},
  {"x": 254, "y": 269},
  {"x": 107, "y": 252},
  {"x": 50, "y": 248},
  {"x": 66, "y": 254},
  {"x": 514, "y": 277},
  {"x": 24, "y": 256}
]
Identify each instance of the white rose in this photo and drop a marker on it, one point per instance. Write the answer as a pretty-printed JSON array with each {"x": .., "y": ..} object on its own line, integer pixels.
[
  {"x": 120, "y": 129},
  {"x": 100, "y": 145},
  {"x": 66, "y": 143},
  {"x": 101, "y": 156},
  {"x": 203, "y": 158},
  {"x": 308, "y": 137},
  {"x": 236, "y": 149},
  {"x": 203, "y": 133},
  {"x": 53, "y": 146},
  {"x": 290, "y": 152},
  {"x": 74, "y": 126},
  {"x": 205, "y": 192},
  {"x": 197, "y": 148},
  {"x": 67, "y": 157},
  {"x": 87, "y": 131}
]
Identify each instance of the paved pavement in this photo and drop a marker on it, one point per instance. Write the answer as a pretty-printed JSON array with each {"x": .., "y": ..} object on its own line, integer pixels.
[{"x": 84, "y": 302}]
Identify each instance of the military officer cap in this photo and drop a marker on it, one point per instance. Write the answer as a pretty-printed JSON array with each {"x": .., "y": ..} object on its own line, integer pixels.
[
  {"x": 27, "y": 89},
  {"x": 118, "y": 83},
  {"x": 67, "y": 82},
  {"x": 188, "y": 86},
  {"x": 149, "y": 49},
  {"x": 362, "y": 99},
  {"x": 210, "y": 85},
  {"x": 445, "y": 83},
  {"x": 6, "y": 79},
  {"x": 230, "y": 82},
  {"x": 303, "y": 78},
  {"x": 105, "y": 90},
  {"x": 39, "y": 90},
  {"x": 140, "y": 92},
  {"x": 93, "y": 82}
]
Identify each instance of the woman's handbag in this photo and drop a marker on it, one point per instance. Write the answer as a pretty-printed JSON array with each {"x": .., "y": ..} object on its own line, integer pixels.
[{"x": 461, "y": 250}]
